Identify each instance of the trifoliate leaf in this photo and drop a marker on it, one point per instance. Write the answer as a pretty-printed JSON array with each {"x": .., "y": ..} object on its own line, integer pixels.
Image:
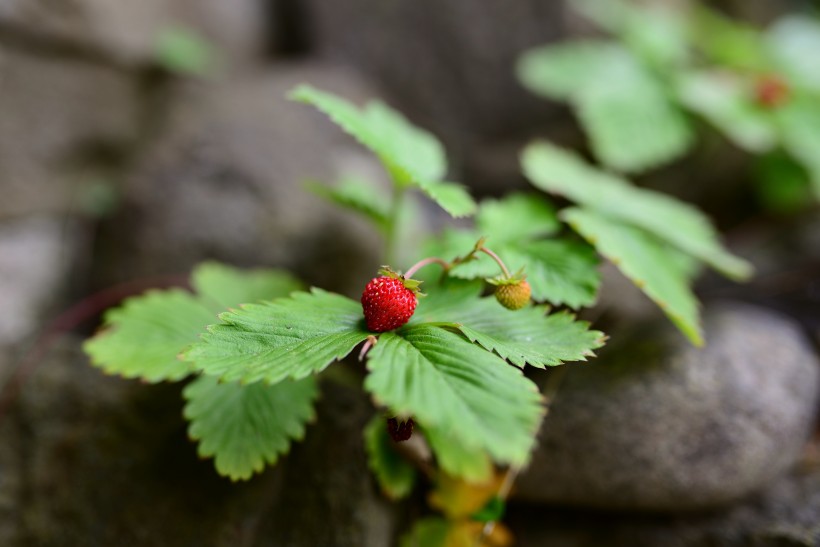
[
  {"x": 523, "y": 336},
  {"x": 246, "y": 427},
  {"x": 631, "y": 123},
  {"x": 645, "y": 260},
  {"x": 794, "y": 42},
  {"x": 561, "y": 172},
  {"x": 286, "y": 338},
  {"x": 448, "y": 383},
  {"x": 725, "y": 101},
  {"x": 561, "y": 71},
  {"x": 356, "y": 195},
  {"x": 144, "y": 337},
  {"x": 413, "y": 157},
  {"x": 457, "y": 460},
  {"x": 396, "y": 476}
]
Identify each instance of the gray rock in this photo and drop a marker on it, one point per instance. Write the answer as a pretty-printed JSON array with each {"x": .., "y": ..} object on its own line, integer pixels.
[
  {"x": 64, "y": 122},
  {"x": 225, "y": 179},
  {"x": 128, "y": 32},
  {"x": 88, "y": 459},
  {"x": 448, "y": 64},
  {"x": 787, "y": 514},
  {"x": 656, "y": 424}
]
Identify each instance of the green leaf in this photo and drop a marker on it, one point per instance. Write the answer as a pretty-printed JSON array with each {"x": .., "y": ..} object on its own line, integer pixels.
[
  {"x": 287, "y": 338},
  {"x": 728, "y": 42},
  {"x": 395, "y": 475},
  {"x": 428, "y": 532},
  {"x": 632, "y": 124},
  {"x": 448, "y": 383},
  {"x": 645, "y": 260},
  {"x": 799, "y": 123},
  {"x": 184, "y": 51},
  {"x": 725, "y": 101},
  {"x": 223, "y": 287},
  {"x": 457, "y": 460},
  {"x": 782, "y": 184},
  {"x": 561, "y": 71},
  {"x": 794, "y": 42},
  {"x": 359, "y": 196},
  {"x": 517, "y": 217},
  {"x": 561, "y": 172},
  {"x": 523, "y": 336},
  {"x": 559, "y": 271},
  {"x": 246, "y": 427},
  {"x": 413, "y": 157},
  {"x": 658, "y": 32},
  {"x": 144, "y": 337}
]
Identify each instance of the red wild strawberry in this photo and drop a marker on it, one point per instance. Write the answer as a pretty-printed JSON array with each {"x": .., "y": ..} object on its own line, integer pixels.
[
  {"x": 513, "y": 295},
  {"x": 389, "y": 301},
  {"x": 400, "y": 430}
]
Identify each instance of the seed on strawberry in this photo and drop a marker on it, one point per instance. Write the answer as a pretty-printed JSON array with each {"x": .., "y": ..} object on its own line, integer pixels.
[
  {"x": 513, "y": 295},
  {"x": 389, "y": 301}
]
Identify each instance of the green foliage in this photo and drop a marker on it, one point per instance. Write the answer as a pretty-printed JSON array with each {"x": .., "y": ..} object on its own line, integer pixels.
[
  {"x": 287, "y": 338},
  {"x": 246, "y": 427},
  {"x": 184, "y": 51},
  {"x": 359, "y": 196},
  {"x": 799, "y": 123},
  {"x": 723, "y": 99},
  {"x": 639, "y": 230},
  {"x": 395, "y": 475},
  {"x": 456, "y": 459},
  {"x": 793, "y": 43},
  {"x": 782, "y": 185},
  {"x": 448, "y": 383},
  {"x": 631, "y": 123},
  {"x": 241, "y": 427},
  {"x": 645, "y": 260},
  {"x": 411, "y": 156},
  {"x": 559, "y": 271},
  {"x": 561, "y": 172},
  {"x": 428, "y": 532},
  {"x": 143, "y": 337},
  {"x": 527, "y": 336}
]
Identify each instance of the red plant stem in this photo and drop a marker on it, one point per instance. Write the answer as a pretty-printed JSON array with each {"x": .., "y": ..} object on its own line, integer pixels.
[
  {"x": 426, "y": 262},
  {"x": 495, "y": 257},
  {"x": 82, "y": 311}
]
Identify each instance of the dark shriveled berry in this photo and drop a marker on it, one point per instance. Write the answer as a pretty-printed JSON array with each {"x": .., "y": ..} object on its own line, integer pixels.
[{"x": 400, "y": 431}]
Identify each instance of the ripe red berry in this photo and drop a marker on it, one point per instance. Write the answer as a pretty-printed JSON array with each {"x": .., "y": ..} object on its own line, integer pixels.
[
  {"x": 771, "y": 91},
  {"x": 387, "y": 303},
  {"x": 513, "y": 296}
]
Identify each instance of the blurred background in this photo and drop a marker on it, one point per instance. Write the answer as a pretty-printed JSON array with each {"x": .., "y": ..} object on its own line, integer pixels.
[{"x": 139, "y": 138}]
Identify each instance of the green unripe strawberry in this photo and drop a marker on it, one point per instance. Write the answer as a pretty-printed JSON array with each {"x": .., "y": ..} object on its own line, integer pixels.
[{"x": 513, "y": 295}]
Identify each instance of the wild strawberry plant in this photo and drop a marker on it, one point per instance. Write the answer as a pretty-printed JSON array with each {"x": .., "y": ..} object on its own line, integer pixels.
[
  {"x": 668, "y": 64},
  {"x": 444, "y": 352}
]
